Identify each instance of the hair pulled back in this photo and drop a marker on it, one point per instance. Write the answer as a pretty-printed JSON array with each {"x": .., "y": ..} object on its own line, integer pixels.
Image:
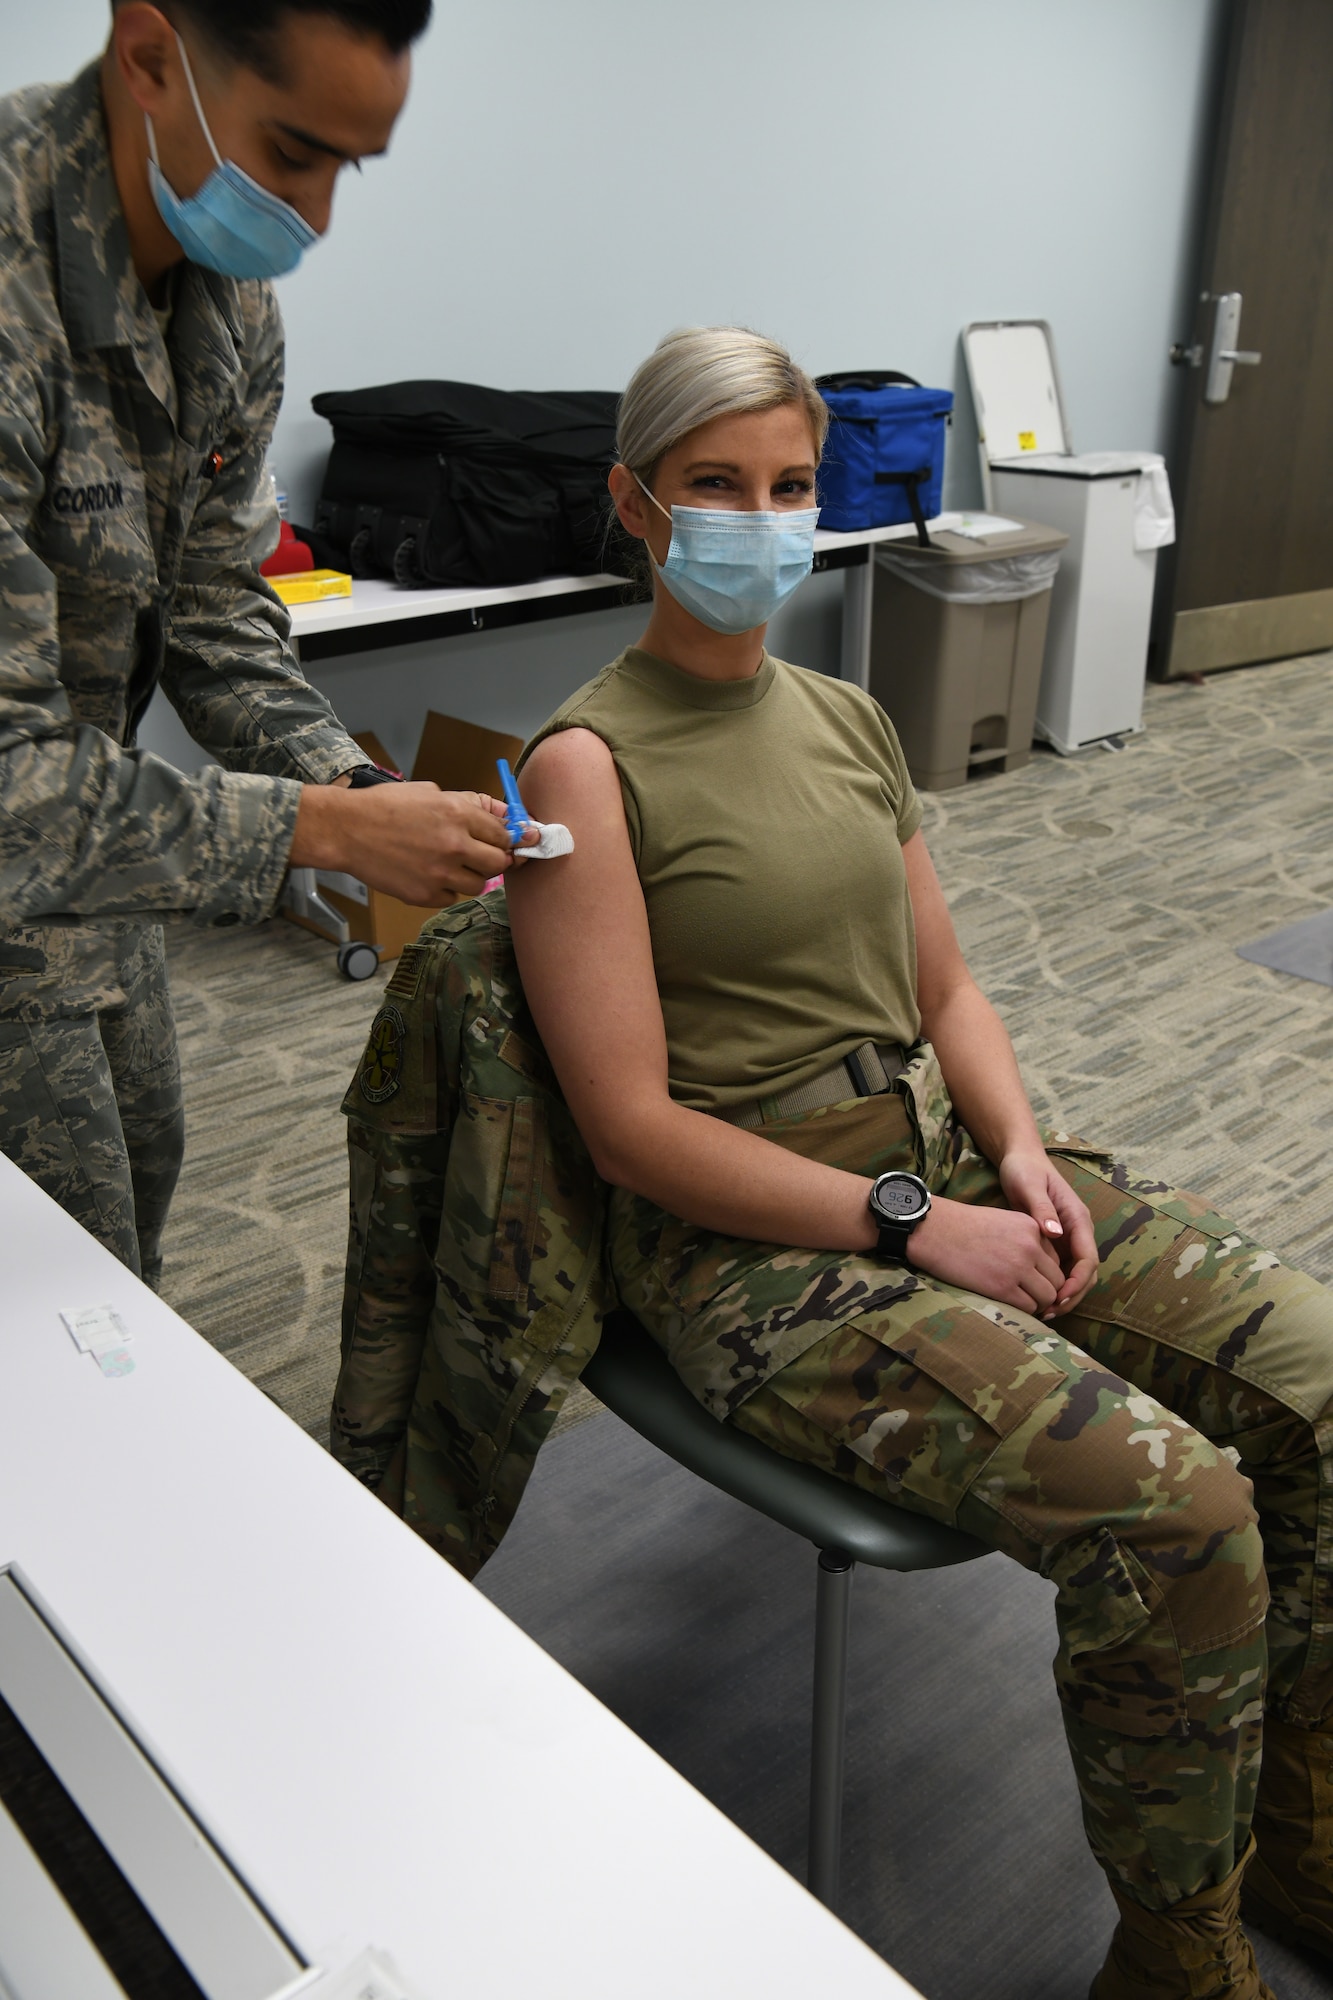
[{"x": 702, "y": 372}]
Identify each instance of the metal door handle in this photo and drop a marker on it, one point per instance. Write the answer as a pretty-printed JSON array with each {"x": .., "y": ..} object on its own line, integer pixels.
[{"x": 1223, "y": 354}]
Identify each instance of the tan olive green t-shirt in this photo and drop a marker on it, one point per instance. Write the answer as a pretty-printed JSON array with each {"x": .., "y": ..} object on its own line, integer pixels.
[{"x": 767, "y": 819}]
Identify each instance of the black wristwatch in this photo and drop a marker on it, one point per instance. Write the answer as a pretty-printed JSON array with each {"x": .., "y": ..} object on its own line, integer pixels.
[
  {"x": 372, "y": 774},
  {"x": 898, "y": 1202}
]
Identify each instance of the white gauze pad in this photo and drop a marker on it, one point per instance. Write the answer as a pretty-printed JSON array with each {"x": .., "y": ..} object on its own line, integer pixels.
[{"x": 555, "y": 839}]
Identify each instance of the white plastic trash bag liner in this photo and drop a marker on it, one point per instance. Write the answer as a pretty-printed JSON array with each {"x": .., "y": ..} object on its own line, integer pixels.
[
  {"x": 1154, "y": 515},
  {"x": 998, "y": 580}
]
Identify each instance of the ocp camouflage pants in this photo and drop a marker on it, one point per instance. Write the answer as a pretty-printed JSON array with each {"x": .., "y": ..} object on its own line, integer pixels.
[
  {"x": 90, "y": 1092},
  {"x": 1122, "y": 1454}
]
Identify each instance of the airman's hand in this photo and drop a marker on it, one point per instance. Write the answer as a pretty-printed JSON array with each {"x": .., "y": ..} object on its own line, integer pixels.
[{"x": 411, "y": 840}]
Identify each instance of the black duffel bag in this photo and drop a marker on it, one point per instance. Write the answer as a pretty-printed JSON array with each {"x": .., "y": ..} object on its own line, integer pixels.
[{"x": 452, "y": 483}]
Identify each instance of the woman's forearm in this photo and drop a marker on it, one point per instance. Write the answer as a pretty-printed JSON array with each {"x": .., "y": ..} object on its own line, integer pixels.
[
  {"x": 709, "y": 1173},
  {"x": 739, "y": 1184},
  {"x": 981, "y": 1071}
]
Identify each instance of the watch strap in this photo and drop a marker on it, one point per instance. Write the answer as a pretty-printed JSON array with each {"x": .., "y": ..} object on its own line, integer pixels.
[
  {"x": 371, "y": 774},
  {"x": 893, "y": 1239}
]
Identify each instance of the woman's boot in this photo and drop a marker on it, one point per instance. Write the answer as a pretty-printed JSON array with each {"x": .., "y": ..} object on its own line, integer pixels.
[
  {"x": 1196, "y": 1950},
  {"x": 1289, "y": 1889}
]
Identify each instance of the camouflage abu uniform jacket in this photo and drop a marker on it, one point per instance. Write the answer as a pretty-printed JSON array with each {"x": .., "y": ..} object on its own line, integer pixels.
[
  {"x": 475, "y": 1283},
  {"x": 134, "y": 511}
]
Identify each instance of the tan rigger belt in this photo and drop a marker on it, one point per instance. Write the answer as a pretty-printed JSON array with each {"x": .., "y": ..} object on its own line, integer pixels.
[{"x": 866, "y": 1072}]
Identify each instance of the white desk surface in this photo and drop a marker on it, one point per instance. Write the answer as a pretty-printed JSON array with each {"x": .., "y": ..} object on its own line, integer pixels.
[
  {"x": 384, "y": 1756},
  {"x": 377, "y": 602}
]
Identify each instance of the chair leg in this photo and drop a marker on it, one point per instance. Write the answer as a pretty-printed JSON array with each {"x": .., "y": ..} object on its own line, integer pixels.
[{"x": 833, "y": 1605}]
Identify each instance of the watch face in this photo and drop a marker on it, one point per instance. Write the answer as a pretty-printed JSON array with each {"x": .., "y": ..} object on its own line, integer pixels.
[{"x": 898, "y": 1197}]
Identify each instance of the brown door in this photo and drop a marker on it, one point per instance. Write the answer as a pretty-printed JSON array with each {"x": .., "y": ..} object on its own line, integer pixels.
[{"x": 1251, "y": 577}]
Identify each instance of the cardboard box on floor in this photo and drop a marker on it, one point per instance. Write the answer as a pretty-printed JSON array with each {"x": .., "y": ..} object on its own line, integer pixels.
[{"x": 456, "y": 756}]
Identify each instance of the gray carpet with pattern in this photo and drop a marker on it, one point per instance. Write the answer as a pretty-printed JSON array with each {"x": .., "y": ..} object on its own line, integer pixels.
[{"x": 1101, "y": 900}]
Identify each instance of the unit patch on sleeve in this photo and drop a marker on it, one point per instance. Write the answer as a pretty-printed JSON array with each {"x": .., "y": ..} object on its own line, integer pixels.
[
  {"x": 412, "y": 962},
  {"x": 382, "y": 1063}
]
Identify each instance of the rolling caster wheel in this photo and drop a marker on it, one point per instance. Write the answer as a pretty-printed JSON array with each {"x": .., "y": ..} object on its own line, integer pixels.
[
  {"x": 357, "y": 960},
  {"x": 404, "y": 561}
]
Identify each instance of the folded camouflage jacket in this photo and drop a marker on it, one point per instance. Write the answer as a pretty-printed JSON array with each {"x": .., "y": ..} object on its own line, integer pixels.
[{"x": 475, "y": 1288}]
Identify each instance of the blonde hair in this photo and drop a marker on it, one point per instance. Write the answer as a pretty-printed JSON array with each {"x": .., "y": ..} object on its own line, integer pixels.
[{"x": 702, "y": 372}]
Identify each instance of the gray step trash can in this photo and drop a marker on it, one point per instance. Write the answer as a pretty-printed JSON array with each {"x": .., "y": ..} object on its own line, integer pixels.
[{"x": 957, "y": 636}]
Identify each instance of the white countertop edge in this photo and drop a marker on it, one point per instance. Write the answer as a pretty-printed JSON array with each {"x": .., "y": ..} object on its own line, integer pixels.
[{"x": 375, "y": 601}]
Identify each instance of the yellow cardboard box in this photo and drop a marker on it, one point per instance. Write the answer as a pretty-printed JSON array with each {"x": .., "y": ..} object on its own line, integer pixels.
[{"x": 456, "y": 756}]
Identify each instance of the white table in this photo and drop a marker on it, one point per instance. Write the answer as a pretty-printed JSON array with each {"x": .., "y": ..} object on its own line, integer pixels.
[
  {"x": 377, "y": 1749},
  {"x": 380, "y": 614}
]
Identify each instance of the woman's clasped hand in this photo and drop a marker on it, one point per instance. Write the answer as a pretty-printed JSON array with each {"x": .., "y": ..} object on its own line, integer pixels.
[{"x": 1038, "y": 1254}]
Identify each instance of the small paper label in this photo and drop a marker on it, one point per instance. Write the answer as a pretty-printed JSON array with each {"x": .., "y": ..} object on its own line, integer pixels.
[
  {"x": 116, "y": 1361},
  {"x": 979, "y": 527},
  {"x": 1027, "y": 440},
  {"x": 97, "y": 1330},
  {"x": 372, "y": 1975}
]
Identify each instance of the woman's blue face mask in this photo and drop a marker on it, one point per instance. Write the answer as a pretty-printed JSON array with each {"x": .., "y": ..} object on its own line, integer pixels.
[
  {"x": 231, "y": 225},
  {"x": 731, "y": 569}
]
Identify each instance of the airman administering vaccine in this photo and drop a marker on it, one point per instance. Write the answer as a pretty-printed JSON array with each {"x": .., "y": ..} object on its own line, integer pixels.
[{"x": 143, "y": 207}]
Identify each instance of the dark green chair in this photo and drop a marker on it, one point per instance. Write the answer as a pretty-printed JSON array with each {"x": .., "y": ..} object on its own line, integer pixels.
[{"x": 632, "y": 1376}]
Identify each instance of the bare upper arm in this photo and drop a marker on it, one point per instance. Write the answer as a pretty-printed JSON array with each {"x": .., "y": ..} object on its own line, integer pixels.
[
  {"x": 940, "y": 965},
  {"x": 584, "y": 951}
]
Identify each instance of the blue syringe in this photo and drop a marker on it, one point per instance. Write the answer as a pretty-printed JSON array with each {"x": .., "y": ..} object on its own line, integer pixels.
[
  {"x": 554, "y": 840},
  {"x": 517, "y": 817}
]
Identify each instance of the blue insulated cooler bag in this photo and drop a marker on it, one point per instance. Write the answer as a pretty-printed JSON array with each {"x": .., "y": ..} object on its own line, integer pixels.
[{"x": 883, "y": 463}]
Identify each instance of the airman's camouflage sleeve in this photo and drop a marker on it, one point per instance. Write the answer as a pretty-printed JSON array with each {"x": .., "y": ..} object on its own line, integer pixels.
[
  {"x": 87, "y": 828},
  {"x": 229, "y": 670}
]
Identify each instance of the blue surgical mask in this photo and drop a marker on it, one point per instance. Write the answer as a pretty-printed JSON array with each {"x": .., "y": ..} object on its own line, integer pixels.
[
  {"x": 731, "y": 569},
  {"x": 231, "y": 225}
]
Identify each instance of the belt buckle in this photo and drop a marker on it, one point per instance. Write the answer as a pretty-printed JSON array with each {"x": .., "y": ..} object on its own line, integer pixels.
[{"x": 856, "y": 1070}]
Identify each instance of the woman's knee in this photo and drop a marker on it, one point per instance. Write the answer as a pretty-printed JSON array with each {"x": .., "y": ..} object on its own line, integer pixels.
[
  {"x": 1161, "y": 1616},
  {"x": 1207, "y": 1558},
  {"x": 1151, "y": 1538}
]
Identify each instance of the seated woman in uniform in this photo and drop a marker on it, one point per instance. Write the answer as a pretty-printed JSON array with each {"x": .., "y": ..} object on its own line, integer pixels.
[{"x": 834, "y": 1208}]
